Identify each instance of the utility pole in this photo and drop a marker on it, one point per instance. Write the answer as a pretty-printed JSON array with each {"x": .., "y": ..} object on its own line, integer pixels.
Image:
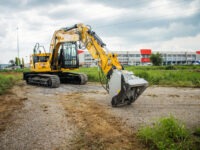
[{"x": 17, "y": 43}]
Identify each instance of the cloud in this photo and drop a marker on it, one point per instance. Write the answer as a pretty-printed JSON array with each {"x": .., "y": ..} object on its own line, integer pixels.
[
  {"x": 120, "y": 4},
  {"x": 173, "y": 30},
  {"x": 3, "y": 30},
  {"x": 27, "y": 4},
  {"x": 190, "y": 43},
  {"x": 128, "y": 25},
  {"x": 78, "y": 13}
]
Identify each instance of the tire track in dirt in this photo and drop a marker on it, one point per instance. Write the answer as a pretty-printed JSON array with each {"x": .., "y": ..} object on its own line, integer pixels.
[{"x": 98, "y": 128}]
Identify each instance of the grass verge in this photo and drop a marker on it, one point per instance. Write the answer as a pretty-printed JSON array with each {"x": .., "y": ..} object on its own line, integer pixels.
[
  {"x": 7, "y": 81},
  {"x": 10, "y": 100},
  {"x": 174, "y": 76},
  {"x": 167, "y": 133}
]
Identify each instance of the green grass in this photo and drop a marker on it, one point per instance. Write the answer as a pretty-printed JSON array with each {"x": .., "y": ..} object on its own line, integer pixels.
[
  {"x": 169, "y": 67},
  {"x": 197, "y": 131},
  {"x": 175, "y": 76},
  {"x": 7, "y": 81},
  {"x": 16, "y": 70},
  {"x": 92, "y": 73},
  {"x": 166, "y": 133}
]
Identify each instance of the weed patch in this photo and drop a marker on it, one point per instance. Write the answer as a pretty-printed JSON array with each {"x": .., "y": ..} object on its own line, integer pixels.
[
  {"x": 166, "y": 133},
  {"x": 7, "y": 81}
]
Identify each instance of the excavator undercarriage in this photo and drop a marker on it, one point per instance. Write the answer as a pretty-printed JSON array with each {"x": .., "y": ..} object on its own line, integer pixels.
[{"x": 53, "y": 79}]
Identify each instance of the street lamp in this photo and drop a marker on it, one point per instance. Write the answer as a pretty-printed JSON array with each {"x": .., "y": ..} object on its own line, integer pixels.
[
  {"x": 27, "y": 59},
  {"x": 17, "y": 43}
]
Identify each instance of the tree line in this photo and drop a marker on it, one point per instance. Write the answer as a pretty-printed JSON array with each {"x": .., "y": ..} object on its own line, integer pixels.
[
  {"x": 156, "y": 60},
  {"x": 17, "y": 62}
]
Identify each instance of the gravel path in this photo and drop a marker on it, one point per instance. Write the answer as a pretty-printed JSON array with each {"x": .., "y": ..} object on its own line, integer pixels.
[
  {"x": 43, "y": 122},
  {"x": 156, "y": 102}
]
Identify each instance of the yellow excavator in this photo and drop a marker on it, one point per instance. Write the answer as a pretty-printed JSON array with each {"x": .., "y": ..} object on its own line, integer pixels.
[{"x": 51, "y": 69}]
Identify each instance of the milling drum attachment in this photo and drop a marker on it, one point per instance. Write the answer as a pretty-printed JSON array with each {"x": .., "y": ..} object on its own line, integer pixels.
[{"x": 125, "y": 88}]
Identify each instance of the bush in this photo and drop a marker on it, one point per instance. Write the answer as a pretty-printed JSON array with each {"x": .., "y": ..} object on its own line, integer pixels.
[
  {"x": 166, "y": 133},
  {"x": 197, "y": 131},
  {"x": 156, "y": 59},
  {"x": 7, "y": 81},
  {"x": 170, "y": 67}
]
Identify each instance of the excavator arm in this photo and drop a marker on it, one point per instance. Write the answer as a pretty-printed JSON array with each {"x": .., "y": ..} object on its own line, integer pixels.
[{"x": 97, "y": 48}]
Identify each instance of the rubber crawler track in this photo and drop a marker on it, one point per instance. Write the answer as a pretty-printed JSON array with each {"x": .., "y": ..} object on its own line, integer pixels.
[
  {"x": 53, "y": 81},
  {"x": 46, "y": 80}
]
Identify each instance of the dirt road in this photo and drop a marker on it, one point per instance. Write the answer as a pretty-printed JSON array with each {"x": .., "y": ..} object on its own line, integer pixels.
[{"x": 81, "y": 116}]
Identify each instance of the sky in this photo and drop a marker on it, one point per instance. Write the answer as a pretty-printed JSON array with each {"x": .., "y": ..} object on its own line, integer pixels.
[{"x": 160, "y": 25}]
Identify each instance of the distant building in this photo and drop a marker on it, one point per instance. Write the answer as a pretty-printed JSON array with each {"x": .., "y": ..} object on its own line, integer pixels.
[
  {"x": 142, "y": 57},
  {"x": 3, "y": 66},
  {"x": 198, "y": 55},
  {"x": 178, "y": 57}
]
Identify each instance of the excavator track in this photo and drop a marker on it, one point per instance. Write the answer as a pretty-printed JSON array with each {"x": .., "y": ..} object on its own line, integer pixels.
[
  {"x": 53, "y": 79},
  {"x": 46, "y": 80},
  {"x": 73, "y": 78},
  {"x": 83, "y": 78}
]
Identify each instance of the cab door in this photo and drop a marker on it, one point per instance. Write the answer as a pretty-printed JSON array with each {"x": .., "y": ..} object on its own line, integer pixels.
[{"x": 69, "y": 55}]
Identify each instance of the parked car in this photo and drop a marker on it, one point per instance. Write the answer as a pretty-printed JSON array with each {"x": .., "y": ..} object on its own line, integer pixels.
[{"x": 196, "y": 63}]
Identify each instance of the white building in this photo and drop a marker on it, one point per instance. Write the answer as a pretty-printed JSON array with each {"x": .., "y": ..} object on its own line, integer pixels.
[
  {"x": 178, "y": 57},
  {"x": 141, "y": 57}
]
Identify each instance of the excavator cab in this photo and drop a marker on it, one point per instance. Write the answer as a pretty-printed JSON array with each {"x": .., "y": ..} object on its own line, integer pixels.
[
  {"x": 39, "y": 59},
  {"x": 68, "y": 55}
]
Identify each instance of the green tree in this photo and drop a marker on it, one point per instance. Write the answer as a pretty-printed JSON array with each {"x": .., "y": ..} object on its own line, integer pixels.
[
  {"x": 156, "y": 59},
  {"x": 23, "y": 62},
  {"x": 17, "y": 61},
  {"x": 12, "y": 62}
]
